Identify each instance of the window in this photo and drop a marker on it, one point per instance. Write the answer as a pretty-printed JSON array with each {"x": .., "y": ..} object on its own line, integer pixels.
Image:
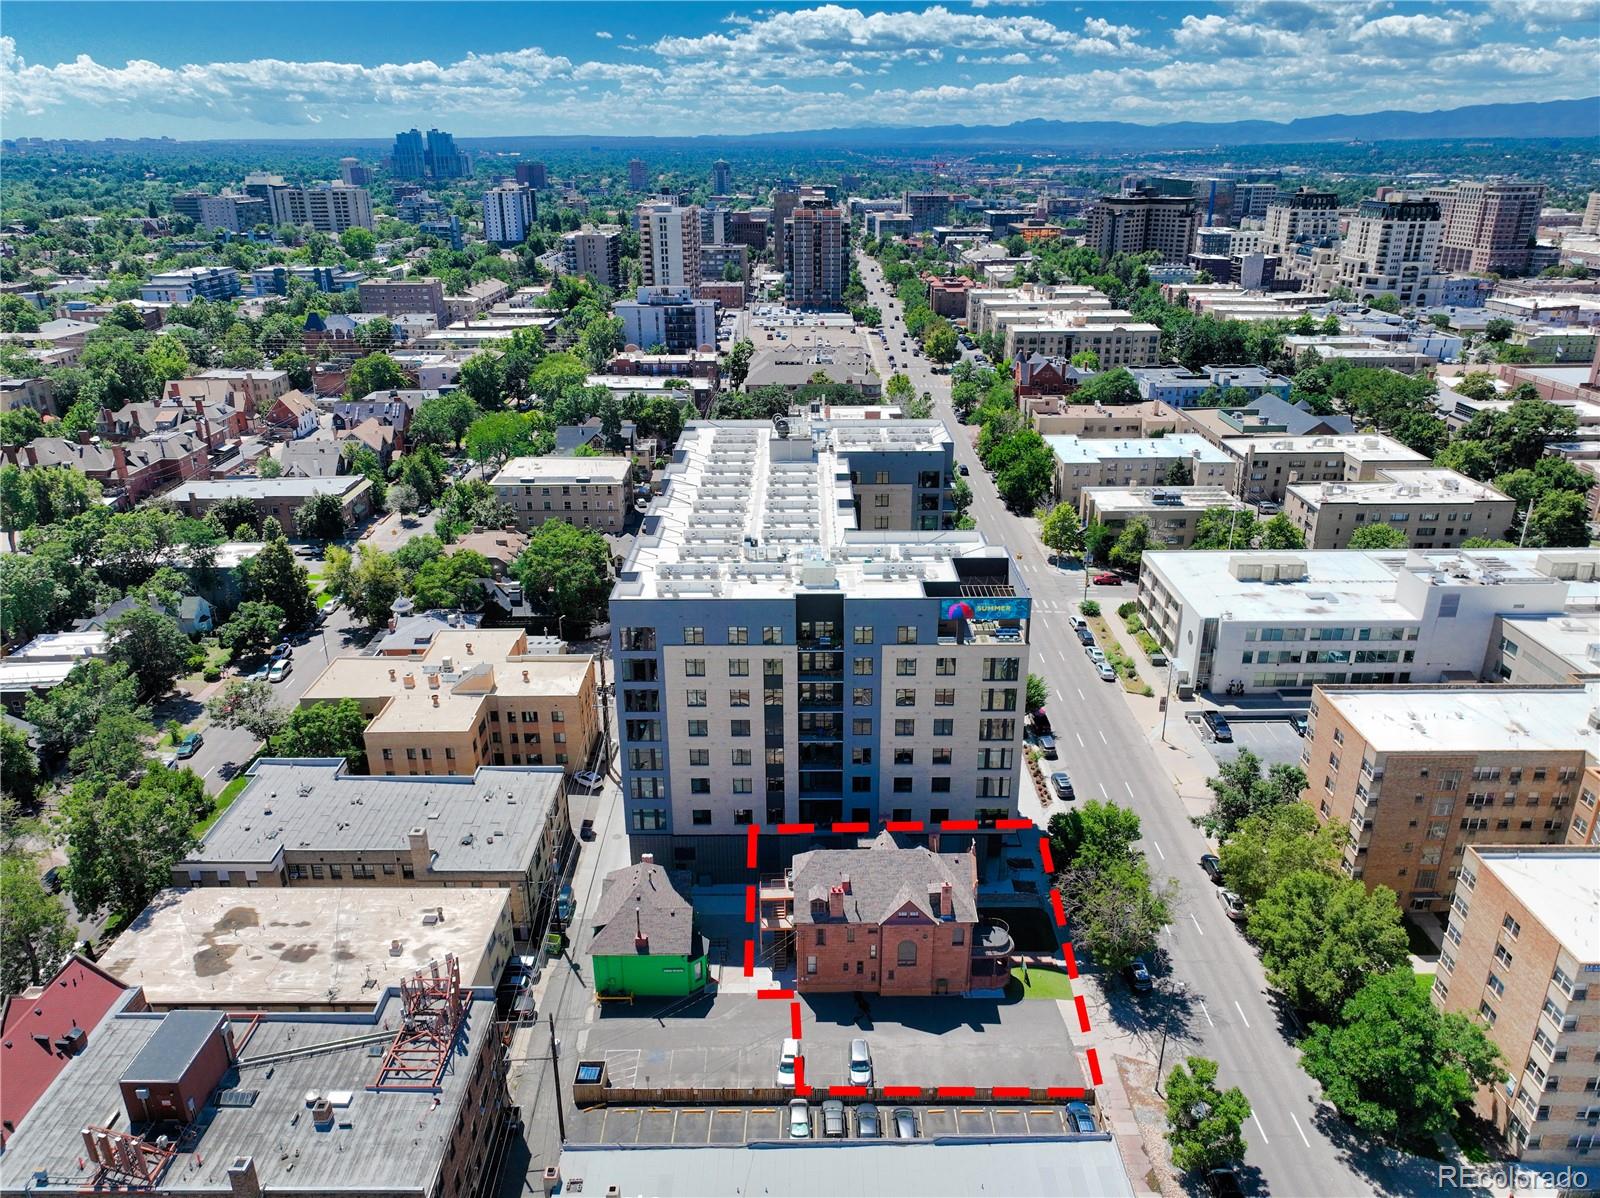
[
  {"x": 906, "y": 667},
  {"x": 1494, "y": 983},
  {"x": 738, "y": 727},
  {"x": 738, "y": 667},
  {"x": 772, "y": 667},
  {"x": 905, "y": 727},
  {"x": 861, "y": 727},
  {"x": 1487, "y": 1013},
  {"x": 738, "y": 635},
  {"x": 743, "y": 786},
  {"x": 699, "y": 728},
  {"x": 744, "y": 816},
  {"x": 902, "y": 786},
  {"x": 861, "y": 696},
  {"x": 694, "y": 667},
  {"x": 906, "y": 953},
  {"x": 739, "y": 698},
  {"x": 941, "y": 756},
  {"x": 905, "y": 697},
  {"x": 700, "y": 757},
  {"x": 861, "y": 756},
  {"x": 741, "y": 757},
  {"x": 861, "y": 784},
  {"x": 1508, "y": 924},
  {"x": 939, "y": 786},
  {"x": 906, "y": 634},
  {"x": 695, "y": 698},
  {"x": 699, "y": 786},
  {"x": 649, "y": 819},
  {"x": 944, "y": 728},
  {"x": 701, "y": 816},
  {"x": 772, "y": 635},
  {"x": 904, "y": 757},
  {"x": 863, "y": 665},
  {"x": 694, "y": 636},
  {"x": 1001, "y": 669},
  {"x": 863, "y": 634},
  {"x": 944, "y": 666},
  {"x": 944, "y": 697}
]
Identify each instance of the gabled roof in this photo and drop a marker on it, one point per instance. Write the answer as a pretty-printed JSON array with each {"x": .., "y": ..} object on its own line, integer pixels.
[
  {"x": 640, "y": 899},
  {"x": 883, "y": 879}
]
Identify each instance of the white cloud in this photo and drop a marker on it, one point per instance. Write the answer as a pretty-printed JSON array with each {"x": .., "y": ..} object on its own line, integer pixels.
[{"x": 601, "y": 33}]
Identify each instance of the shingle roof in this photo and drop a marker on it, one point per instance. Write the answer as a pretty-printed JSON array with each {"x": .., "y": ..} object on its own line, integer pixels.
[
  {"x": 666, "y": 920},
  {"x": 883, "y": 879}
]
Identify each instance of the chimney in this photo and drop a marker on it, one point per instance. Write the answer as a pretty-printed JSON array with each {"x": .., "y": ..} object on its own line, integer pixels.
[
  {"x": 83, "y": 436},
  {"x": 119, "y": 462},
  {"x": 31, "y": 454},
  {"x": 647, "y": 858},
  {"x": 243, "y": 1180},
  {"x": 641, "y": 942},
  {"x": 844, "y": 883},
  {"x": 391, "y": 675},
  {"x": 421, "y": 858},
  {"x": 433, "y": 685},
  {"x": 435, "y": 700},
  {"x": 411, "y": 681},
  {"x": 947, "y": 908},
  {"x": 836, "y": 902}
]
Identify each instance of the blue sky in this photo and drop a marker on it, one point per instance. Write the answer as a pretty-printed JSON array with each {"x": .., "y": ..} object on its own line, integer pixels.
[{"x": 339, "y": 69}]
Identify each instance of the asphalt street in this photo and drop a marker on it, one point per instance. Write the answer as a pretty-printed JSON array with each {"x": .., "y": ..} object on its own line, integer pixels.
[{"x": 1215, "y": 999}]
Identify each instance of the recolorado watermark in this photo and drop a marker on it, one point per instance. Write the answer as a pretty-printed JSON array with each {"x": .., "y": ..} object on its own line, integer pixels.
[{"x": 1516, "y": 1178}]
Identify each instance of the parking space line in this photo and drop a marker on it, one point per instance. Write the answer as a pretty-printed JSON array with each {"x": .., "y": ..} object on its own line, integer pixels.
[
  {"x": 1157, "y": 845},
  {"x": 1240, "y": 1009},
  {"x": 1262, "y": 1130}
]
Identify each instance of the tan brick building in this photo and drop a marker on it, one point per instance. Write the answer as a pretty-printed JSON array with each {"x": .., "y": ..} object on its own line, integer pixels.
[
  {"x": 1420, "y": 774},
  {"x": 585, "y": 492},
  {"x": 1435, "y": 509},
  {"x": 472, "y": 697},
  {"x": 1522, "y": 957},
  {"x": 885, "y": 920}
]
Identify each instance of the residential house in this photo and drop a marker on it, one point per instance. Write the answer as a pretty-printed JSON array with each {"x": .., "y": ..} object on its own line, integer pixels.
[
  {"x": 278, "y": 497},
  {"x": 193, "y": 614},
  {"x": 128, "y": 472},
  {"x": 591, "y": 434},
  {"x": 293, "y": 414},
  {"x": 645, "y": 941}
]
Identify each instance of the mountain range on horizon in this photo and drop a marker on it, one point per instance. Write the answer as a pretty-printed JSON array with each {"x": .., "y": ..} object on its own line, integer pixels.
[{"x": 1533, "y": 119}]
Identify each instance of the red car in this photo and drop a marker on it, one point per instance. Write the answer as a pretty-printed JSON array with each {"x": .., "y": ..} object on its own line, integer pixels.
[{"x": 1107, "y": 580}]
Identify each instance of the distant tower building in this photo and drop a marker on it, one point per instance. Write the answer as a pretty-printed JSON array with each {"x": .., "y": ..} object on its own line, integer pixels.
[
  {"x": 508, "y": 214},
  {"x": 353, "y": 174},
  {"x": 1392, "y": 248},
  {"x": 815, "y": 261},
  {"x": 638, "y": 176},
  {"x": 444, "y": 160},
  {"x": 596, "y": 252},
  {"x": 1143, "y": 222},
  {"x": 1488, "y": 227},
  {"x": 1300, "y": 217},
  {"x": 407, "y": 161},
  {"x": 669, "y": 245},
  {"x": 721, "y": 178},
  {"x": 1591, "y": 214},
  {"x": 532, "y": 174}
]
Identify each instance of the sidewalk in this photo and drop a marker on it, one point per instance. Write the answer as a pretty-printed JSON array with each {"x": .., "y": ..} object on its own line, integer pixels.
[{"x": 1137, "y": 1128}]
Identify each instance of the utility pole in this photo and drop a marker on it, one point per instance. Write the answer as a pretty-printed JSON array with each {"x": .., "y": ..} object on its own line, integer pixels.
[{"x": 555, "y": 1071}]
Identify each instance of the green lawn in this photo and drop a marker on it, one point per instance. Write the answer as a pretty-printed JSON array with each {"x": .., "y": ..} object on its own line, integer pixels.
[
  {"x": 230, "y": 792},
  {"x": 1041, "y": 982}
]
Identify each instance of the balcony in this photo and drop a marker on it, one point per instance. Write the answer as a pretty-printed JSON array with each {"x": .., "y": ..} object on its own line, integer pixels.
[{"x": 991, "y": 940}]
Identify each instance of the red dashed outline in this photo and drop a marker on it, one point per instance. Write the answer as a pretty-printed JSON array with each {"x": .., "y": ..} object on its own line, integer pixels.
[{"x": 1069, "y": 961}]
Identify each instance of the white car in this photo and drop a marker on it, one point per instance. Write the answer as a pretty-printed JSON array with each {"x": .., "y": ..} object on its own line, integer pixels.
[
  {"x": 1107, "y": 674},
  {"x": 860, "y": 1063},
  {"x": 786, "y": 1059},
  {"x": 799, "y": 1120},
  {"x": 588, "y": 778},
  {"x": 1096, "y": 653},
  {"x": 279, "y": 670}
]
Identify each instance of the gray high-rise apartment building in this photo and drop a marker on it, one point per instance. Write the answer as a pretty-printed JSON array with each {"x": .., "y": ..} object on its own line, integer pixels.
[
  {"x": 435, "y": 157},
  {"x": 326, "y": 209},
  {"x": 408, "y": 160},
  {"x": 508, "y": 213},
  {"x": 1301, "y": 217},
  {"x": 816, "y": 257},
  {"x": 669, "y": 245},
  {"x": 594, "y": 251},
  {"x": 721, "y": 178},
  {"x": 1488, "y": 228},
  {"x": 532, "y": 174},
  {"x": 1142, "y": 222},
  {"x": 926, "y": 209},
  {"x": 1392, "y": 248},
  {"x": 800, "y": 635},
  {"x": 638, "y": 175}
]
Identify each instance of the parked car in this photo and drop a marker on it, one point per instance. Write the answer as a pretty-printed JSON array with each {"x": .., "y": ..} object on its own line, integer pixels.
[
  {"x": 564, "y": 904},
  {"x": 786, "y": 1058},
  {"x": 190, "y": 745},
  {"x": 860, "y": 1063},
  {"x": 868, "y": 1125},
  {"x": 799, "y": 1120},
  {"x": 261, "y": 674},
  {"x": 1224, "y": 1183},
  {"x": 1137, "y": 974},
  {"x": 1107, "y": 674},
  {"x": 281, "y": 650},
  {"x": 1232, "y": 904},
  {"x": 1218, "y": 723},
  {"x": 1300, "y": 724},
  {"x": 1081, "y": 1117},
  {"x": 1062, "y": 785},
  {"x": 588, "y": 778},
  {"x": 1047, "y": 746},
  {"x": 905, "y": 1123},
  {"x": 963, "y": 469},
  {"x": 586, "y": 830},
  {"x": 1085, "y": 637},
  {"x": 1076, "y": 621},
  {"x": 1212, "y": 864},
  {"x": 51, "y": 879},
  {"x": 1095, "y": 652},
  {"x": 279, "y": 670},
  {"x": 1107, "y": 580},
  {"x": 833, "y": 1124}
]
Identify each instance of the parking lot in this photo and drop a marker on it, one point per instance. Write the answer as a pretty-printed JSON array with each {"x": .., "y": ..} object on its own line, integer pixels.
[
  {"x": 744, "y": 1125},
  {"x": 1274, "y": 741},
  {"x": 733, "y": 1040}
]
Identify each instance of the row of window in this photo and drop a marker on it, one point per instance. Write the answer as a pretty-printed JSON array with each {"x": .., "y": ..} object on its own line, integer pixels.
[
  {"x": 655, "y": 819},
  {"x": 643, "y": 640},
  {"x": 300, "y": 873}
]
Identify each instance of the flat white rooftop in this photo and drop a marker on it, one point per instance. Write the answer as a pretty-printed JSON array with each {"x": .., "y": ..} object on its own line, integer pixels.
[
  {"x": 1575, "y": 637},
  {"x": 1361, "y": 447},
  {"x": 1400, "y": 487},
  {"x": 1471, "y": 719},
  {"x": 1088, "y": 451},
  {"x": 1560, "y": 889},
  {"x": 548, "y": 471},
  {"x": 1342, "y": 586},
  {"x": 1160, "y": 499}
]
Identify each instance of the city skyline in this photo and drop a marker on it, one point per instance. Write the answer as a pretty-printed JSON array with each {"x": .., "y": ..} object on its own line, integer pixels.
[{"x": 681, "y": 69}]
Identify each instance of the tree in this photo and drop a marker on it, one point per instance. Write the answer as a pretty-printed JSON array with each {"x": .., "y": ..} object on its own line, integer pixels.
[
  {"x": 268, "y": 466},
  {"x": 599, "y": 342},
  {"x": 1062, "y": 531},
  {"x": 1498, "y": 329},
  {"x": 424, "y": 470},
  {"x": 1127, "y": 552},
  {"x": 320, "y": 518},
  {"x": 36, "y": 935},
  {"x": 1321, "y": 936},
  {"x": 122, "y": 841},
  {"x": 1280, "y": 532},
  {"x": 297, "y": 366},
  {"x": 233, "y": 514},
  {"x": 19, "y": 765},
  {"x": 1384, "y": 303},
  {"x": 566, "y": 570},
  {"x": 1239, "y": 790},
  {"x": 273, "y": 576},
  {"x": 1272, "y": 844},
  {"x": 375, "y": 372},
  {"x": 250, "y": 705},
  {"x": 403, "y": 498},
  {"x": 324, "y": 730},
  {"x": 1119, "y": 914},
  {"x": 374, "y": 334},
  {"x": 1038, "y": 692},
  {"x": 737, "y": 363},
  {"x": 167, "y": 359},
  {"x": 114, "y": 748},
  {"x": 1204, "y": 1124},
  {"x": 118, "y": 373},
  {"x": 898, "y": 389},
  {"x": 495, "y": 437},
  {"x": 69, "y": 713},
  {"x": 1097, "y": 542},
  {"x": 252, "y": 629},
  {"x": 20, "y": 426},
  {"x": 1224, "y": 528},
  {"x": 1395, "y": 1065},
  {"x": 17, "y": 315},
  {"x": 1477, "y": 385},
  {"x": 152, "y": 647},
  {"x": 1116, "y": 386},
  {"x": 372, "y": 585},
  {"x": 1377, "y": 536},
  {"x": 444, "y": 420},
  {"x": 1093, "y": 836},
  {"x": 920, "y": 407},
  {"x": 1559, "y": 520},
  {"x": 1179, "y": 473},
  {"x": 454, "y": 581},
  {"x": 34, "y": 497},
  {"x": 939, "y": 341},
  {"x": 31, "y": 597},
  {"x": 358, "y": 243},
  {"x": 482, "y": 383}
]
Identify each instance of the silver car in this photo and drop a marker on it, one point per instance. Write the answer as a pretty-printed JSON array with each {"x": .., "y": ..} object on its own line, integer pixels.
[
  {"x": 799, "y": 1120},
  {"x": 833, "y": 1124},
  {"x": 860, "y": 1063}
]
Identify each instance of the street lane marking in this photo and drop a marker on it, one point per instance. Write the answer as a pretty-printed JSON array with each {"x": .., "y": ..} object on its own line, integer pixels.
[
  {"x": 1262, "y": 1130},
  {"x": 1129, "y": 789},
  {"x": 1197, "y": 927},
  {"x": 1240, "y": 1009},
  {"x": 1159, "y": 853},
  {"x": 1206, "y": 1011},
  {"x": 1103, "y": 793},
  {"x": 1081, "y": 697},
  {"x": 1102, "y": 733},
  {"x": 1297, "y": 1128},
  {"x": 1081, "y": 745}
]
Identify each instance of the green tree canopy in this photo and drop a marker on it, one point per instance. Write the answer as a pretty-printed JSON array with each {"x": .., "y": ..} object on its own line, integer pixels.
[
  {"x": 152, "y": 647},
  {"x": 320, "y": 518},
  {"x": 375, "y": 372},
  {"x": 324, "y": 730},
  {"x": 252, "y": 629},
  {"x": 36, "y": 935},
  {"x": 1239, "y": 790},
  {"x": 123, "y": 840},
  {"x": 1204, "y": 1124},
  {"x": 1116, "y": 386},
  {"x": 1272, "y": 844},
  {"x": 273, "y": 576},
  {"x": 452, "y": 581},
  {"x": 566, "y": 570},
  {"x": 92, "y": 691},
  {"x": 1377, "y": 536},
  {"x": 251, "y": 705}
]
